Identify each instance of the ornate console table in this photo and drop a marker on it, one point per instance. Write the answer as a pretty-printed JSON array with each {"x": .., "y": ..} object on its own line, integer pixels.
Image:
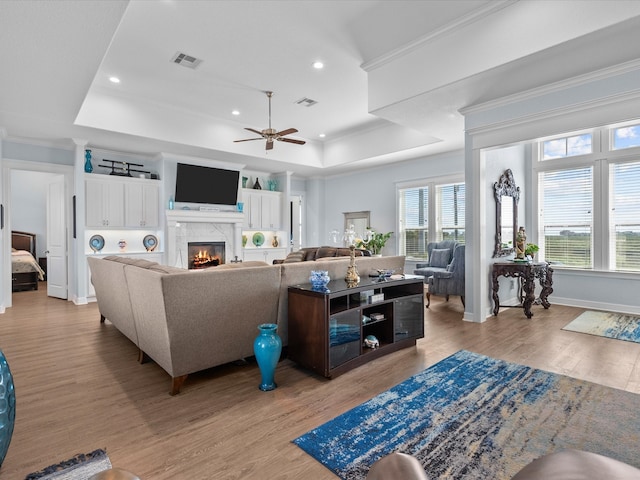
[{"x": 527, "y": 272}]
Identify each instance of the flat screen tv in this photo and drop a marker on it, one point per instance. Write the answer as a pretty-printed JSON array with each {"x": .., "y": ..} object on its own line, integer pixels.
[{"x": 196, "y": 184}]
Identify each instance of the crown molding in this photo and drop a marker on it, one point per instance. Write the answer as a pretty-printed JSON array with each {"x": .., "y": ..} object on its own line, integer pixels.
[
  {"x": 475, "y": 16},
  {"x": 622, "y": 98},
  {"x": 555, "y": 87}
]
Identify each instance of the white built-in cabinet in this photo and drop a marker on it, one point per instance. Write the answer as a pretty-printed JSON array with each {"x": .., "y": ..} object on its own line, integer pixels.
[
  {"x": 117, "y": 202},
  {"x": 262, "y": 209},
  {"x": 105, "y": 202},
  {"x": 267, "y": 255},
  {"x": 141, "y": 202}
]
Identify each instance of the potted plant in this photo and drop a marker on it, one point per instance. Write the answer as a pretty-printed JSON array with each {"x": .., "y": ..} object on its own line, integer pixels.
[
  {"x": 531, "y": 249},
  {"x": 375, "y": 241}
]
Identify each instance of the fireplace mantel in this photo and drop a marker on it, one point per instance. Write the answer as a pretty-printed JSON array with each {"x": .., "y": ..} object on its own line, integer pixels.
[
  {"x": 225, "y": 225},
  {"x": 204, "y": 216}
]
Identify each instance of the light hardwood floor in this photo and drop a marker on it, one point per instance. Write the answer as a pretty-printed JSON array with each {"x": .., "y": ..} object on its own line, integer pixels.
[{"x": 79, "y": 387}]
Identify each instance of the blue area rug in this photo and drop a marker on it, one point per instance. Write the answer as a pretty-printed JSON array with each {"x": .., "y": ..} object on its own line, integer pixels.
[
  {"x": 607, "y": 324},
  {"x": 472, "y": 416}
]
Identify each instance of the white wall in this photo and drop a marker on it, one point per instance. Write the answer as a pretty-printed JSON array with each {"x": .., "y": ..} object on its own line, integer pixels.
[
  {"x": 375, "y": 190},
  {"x": 29, "y": 205}
]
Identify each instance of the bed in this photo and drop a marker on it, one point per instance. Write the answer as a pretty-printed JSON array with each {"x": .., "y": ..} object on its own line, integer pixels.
[{"x": 25, "y": 270}]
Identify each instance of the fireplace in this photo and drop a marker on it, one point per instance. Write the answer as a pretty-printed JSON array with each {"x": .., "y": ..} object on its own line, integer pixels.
[{"x": 205, "y": 254}]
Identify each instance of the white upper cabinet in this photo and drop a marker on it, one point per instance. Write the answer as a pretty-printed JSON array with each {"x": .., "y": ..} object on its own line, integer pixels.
[
  {"x": 104, "y": 202},
  {"x": 141, "y": 205},
  {"x": 262, "y": 209},
  {"x": 118, "y": 202}
]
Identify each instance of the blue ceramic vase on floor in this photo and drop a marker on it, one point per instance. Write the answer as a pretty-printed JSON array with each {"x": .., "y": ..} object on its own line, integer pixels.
[
  {"x": 7, "y": 407},
  {"x": 267, "y": 348}
]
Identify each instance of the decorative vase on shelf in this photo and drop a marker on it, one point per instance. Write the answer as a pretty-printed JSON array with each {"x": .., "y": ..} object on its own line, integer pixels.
[
  {"x": 87, "y": 161},
  {"x": 244, "y": 182},
  {"x": 274, "y": 242},
  {"x": 257, "y": 186},
  {"x": 267, "y": 347},
  {"x": 7, "y": 406},
  {"x": 319, "y": 279}
]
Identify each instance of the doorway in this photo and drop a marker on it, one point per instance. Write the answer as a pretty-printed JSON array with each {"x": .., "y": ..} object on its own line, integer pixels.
[{"x": 32, "y": 205}]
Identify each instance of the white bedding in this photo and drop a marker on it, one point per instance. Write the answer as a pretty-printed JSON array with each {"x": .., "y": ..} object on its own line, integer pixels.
[{"x": 23, "y": 262}]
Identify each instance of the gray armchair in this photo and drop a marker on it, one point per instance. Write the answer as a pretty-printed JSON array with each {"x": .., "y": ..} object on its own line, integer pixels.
[
  {"x": 451, "y": 281},
  {"x": 439, "y": 255}
]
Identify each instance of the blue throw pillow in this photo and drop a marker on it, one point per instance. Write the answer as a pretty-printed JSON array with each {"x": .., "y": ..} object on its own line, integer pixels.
[{"x": 440, "y": 257}]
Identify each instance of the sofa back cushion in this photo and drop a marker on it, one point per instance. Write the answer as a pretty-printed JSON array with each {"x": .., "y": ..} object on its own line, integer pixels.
[
  {"x": 324, "y": 252},
  {"x": 295, "y": 257}
]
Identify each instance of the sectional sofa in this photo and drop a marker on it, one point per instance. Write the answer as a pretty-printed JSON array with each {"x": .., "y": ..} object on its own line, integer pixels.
[{"x": 191, "y": 320}]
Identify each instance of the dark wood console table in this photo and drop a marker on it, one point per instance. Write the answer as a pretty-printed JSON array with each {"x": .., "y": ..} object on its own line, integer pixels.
[
  {"x": 327, "y": 327},
  {"x": 527, "y": 272}
]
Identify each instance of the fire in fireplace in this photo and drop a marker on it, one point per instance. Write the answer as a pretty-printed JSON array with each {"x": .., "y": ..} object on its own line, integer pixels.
[{"x": 205, "y": 254}]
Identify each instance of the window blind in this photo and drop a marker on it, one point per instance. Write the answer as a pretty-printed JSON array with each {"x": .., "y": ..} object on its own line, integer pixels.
[
  {"x": 624, "y": 217},
  {"x": 566, "y": 200}
]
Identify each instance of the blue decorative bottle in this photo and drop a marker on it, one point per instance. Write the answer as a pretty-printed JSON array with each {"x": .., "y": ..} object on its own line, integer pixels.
[
  {"x": 267, "y": 348},
  {"x": 7, "y": 407},
  {"x": 87, "y": 161}
]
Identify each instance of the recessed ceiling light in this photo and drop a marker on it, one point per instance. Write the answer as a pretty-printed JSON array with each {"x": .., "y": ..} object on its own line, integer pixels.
[
  {"x": 318, "y": 65},
  {"x": 322, "y": 135},
  {"x": 235, "y": 112},
  {"x": 114, "y": 79}
]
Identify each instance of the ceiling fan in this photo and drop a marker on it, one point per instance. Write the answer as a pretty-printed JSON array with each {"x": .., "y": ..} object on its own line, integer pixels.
[{"x": 270, "y": 134}]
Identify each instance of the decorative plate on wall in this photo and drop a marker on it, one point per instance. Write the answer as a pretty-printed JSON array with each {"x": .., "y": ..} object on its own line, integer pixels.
[
  {"x": 258, "y": 239},
  {"x": 150, "y": 242},
  {"x": 96, "y": 243}
]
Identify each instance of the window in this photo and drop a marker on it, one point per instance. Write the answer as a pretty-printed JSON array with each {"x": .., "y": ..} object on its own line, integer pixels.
[
  {"x": 589, "y": 206},
  {"x": 414, "y": 223},
  {"x": 626, "y": 137},
  {"x": 624, "y": 219},
  {"x": 567, "y": 146},
  {"x": 566, "y": 218},
  {"x": 450, "y": 207},
  {"x": 430, "y": 212}
]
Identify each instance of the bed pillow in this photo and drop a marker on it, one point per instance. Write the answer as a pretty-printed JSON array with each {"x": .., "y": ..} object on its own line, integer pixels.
[{"x": 439, "y": 257}]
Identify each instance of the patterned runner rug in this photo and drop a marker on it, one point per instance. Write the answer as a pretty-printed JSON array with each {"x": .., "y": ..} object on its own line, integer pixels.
[
  {"x": 472, "y": 416},
  {"x": 80, "y": 467},
  {"x": 607, "y": 324}
]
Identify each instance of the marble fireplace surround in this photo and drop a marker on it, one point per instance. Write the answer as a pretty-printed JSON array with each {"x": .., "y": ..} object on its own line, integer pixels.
[{"x": 184, "y": 226}]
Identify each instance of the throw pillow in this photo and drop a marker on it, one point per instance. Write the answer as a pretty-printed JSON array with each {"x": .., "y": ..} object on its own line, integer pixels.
[{"x": 439, "y": 257}]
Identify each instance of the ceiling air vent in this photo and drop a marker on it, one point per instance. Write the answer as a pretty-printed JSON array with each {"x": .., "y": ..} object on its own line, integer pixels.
[
  {"x": 186, "y": 60},
  {"x": 306, "y": 102}
]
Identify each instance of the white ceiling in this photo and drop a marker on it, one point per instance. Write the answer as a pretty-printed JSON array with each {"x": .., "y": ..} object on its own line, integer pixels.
[{"x": 396, "y": 72}]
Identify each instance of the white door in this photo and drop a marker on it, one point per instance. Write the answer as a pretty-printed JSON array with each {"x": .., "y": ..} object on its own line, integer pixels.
[{"x": 56, "y": 239}]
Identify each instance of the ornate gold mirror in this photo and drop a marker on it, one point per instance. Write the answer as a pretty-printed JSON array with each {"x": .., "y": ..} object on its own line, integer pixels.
[{"x": 507, "y": 195}]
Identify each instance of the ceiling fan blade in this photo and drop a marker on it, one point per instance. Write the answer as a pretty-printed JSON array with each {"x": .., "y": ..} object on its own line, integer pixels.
[
  {"x": 269, "y": 145},
  {"x": 292, "y": 140},
  {"x": 253, "y": 130},
  {"x": 247, "y": 140},
  {"x": 288, "y": 131}
]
